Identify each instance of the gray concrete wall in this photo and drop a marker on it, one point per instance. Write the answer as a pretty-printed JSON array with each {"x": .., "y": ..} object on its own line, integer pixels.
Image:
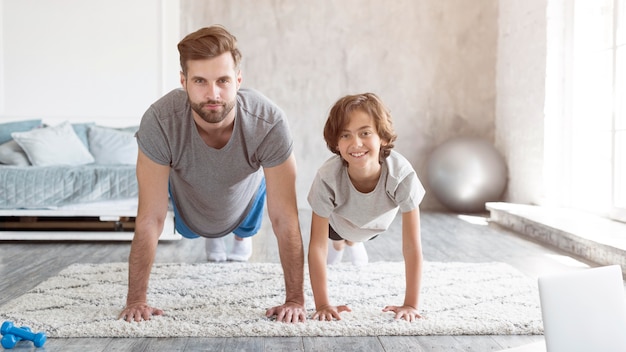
[
  {"x": 432, "y": 61},
  {"x": 521, "y": 93}
]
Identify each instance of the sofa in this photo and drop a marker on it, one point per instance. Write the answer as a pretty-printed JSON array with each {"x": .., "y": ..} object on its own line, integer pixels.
[{"x": 69, "y": 181}]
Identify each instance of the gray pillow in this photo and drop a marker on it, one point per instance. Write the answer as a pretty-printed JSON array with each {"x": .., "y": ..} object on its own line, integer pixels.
[
  {"x": 12, "y": 154},
  {"x": 112, "y": 146},
  {"x": 17, "y": 126},
  {"x": 81, "y": 131}
]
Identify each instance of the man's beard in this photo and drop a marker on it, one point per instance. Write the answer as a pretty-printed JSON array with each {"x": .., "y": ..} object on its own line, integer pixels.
[{"x": 213, "y": 116}]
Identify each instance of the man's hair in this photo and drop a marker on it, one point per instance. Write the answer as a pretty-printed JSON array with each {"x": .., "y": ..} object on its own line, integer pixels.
[
  {"x": 206, "y": 43},
  {"x": 371, "y": 105}
]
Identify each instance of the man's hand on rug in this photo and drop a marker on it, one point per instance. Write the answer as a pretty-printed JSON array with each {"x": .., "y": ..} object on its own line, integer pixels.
[
  {"x": 288, "y": 313},
  {"x": 328, "y": 313},
  {"x": 138, "y": 312},
  {"x": 407, "y": 313}
]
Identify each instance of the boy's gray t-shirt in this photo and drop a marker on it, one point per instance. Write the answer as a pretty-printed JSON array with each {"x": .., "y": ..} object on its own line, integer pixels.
[
  {"x": 214, "y": 189},
  {"x": 358, "y": 216}
]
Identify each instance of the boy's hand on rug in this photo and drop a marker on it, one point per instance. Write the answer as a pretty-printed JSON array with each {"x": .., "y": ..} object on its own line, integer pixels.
[
  {"x": 328, "y": 313},
  {"x": 288, "y": 313},
  {"x": 138, "y": 312},
  {"x": 407, "y": 313}
]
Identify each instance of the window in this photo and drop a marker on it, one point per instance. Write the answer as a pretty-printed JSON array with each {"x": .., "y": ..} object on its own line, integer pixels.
[
  {"x": 619, "y": 172},
  {"x": 592, "y": 132}
]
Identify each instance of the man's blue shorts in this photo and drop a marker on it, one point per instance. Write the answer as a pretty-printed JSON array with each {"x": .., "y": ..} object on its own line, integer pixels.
[{"x": 248, "y": 228}]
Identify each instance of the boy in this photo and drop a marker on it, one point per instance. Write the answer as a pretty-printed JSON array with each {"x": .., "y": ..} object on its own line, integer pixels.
[{"x": 356, "y": 195}]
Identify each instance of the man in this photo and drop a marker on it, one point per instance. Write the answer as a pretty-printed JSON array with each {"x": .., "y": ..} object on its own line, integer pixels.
[{"x": 216, "y": 150}]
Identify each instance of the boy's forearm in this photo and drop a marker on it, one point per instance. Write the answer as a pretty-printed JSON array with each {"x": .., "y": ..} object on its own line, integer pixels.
[
  {"x": 317, "y": 272},
  {"x": 413, "y": 269}
]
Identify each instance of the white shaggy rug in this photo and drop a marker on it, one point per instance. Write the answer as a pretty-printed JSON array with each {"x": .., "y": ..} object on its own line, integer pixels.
[{"x": 230, "y": 299}]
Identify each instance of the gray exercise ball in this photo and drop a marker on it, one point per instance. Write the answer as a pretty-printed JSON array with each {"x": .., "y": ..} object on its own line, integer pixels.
[{"x": 464, "y": 173}]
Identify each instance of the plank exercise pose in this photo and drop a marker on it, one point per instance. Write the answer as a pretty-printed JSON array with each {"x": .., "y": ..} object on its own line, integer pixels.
[
  {"x": 356, "y": 195},
  {"x": 218, "y": 152}
]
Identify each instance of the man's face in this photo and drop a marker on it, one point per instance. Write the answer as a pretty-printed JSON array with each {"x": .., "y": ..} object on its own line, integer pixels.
[{"x": 211, "y": 86}]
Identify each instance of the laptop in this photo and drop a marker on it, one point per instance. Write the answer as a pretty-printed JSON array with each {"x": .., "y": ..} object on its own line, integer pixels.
[{"x": 584, "y": 310}]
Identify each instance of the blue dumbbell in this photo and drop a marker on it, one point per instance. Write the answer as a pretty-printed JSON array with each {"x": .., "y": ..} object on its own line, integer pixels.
[
  {"x": 9, "y": 341},
  {"x": 13, "y": 334}
]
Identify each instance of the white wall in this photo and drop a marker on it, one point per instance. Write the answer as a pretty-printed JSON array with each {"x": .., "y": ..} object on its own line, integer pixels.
[
  {"x": 2, "y": 84},
  {"x": 86, "y": 60}
]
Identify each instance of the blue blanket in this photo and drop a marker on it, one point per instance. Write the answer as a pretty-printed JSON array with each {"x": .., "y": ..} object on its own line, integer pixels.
[{"x": 30, "y": 187}]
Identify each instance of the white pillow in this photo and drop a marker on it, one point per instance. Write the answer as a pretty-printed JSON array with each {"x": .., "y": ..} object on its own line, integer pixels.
[
  {"x": 56, "y": 145},
  {"x": 112, "y": 146}
]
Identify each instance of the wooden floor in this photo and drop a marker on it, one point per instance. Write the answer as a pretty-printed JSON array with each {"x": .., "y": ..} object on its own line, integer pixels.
[{"x": 445, "y": 237}]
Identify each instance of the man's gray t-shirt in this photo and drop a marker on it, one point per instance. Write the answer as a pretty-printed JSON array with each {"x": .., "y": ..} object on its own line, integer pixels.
[
  {"x": 358, "y": 216},
  {"x": 214, "y": 189}
]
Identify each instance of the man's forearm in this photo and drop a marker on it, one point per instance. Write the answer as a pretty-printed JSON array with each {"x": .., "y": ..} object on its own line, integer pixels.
[
  {"x": 142, "y": 253},
  {"x": 292, "y": 259}
]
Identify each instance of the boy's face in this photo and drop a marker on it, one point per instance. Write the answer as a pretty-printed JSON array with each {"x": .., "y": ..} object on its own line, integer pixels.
[
  {"x": 359, "y": 143},
  {"x": 211, "y": 86}
]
